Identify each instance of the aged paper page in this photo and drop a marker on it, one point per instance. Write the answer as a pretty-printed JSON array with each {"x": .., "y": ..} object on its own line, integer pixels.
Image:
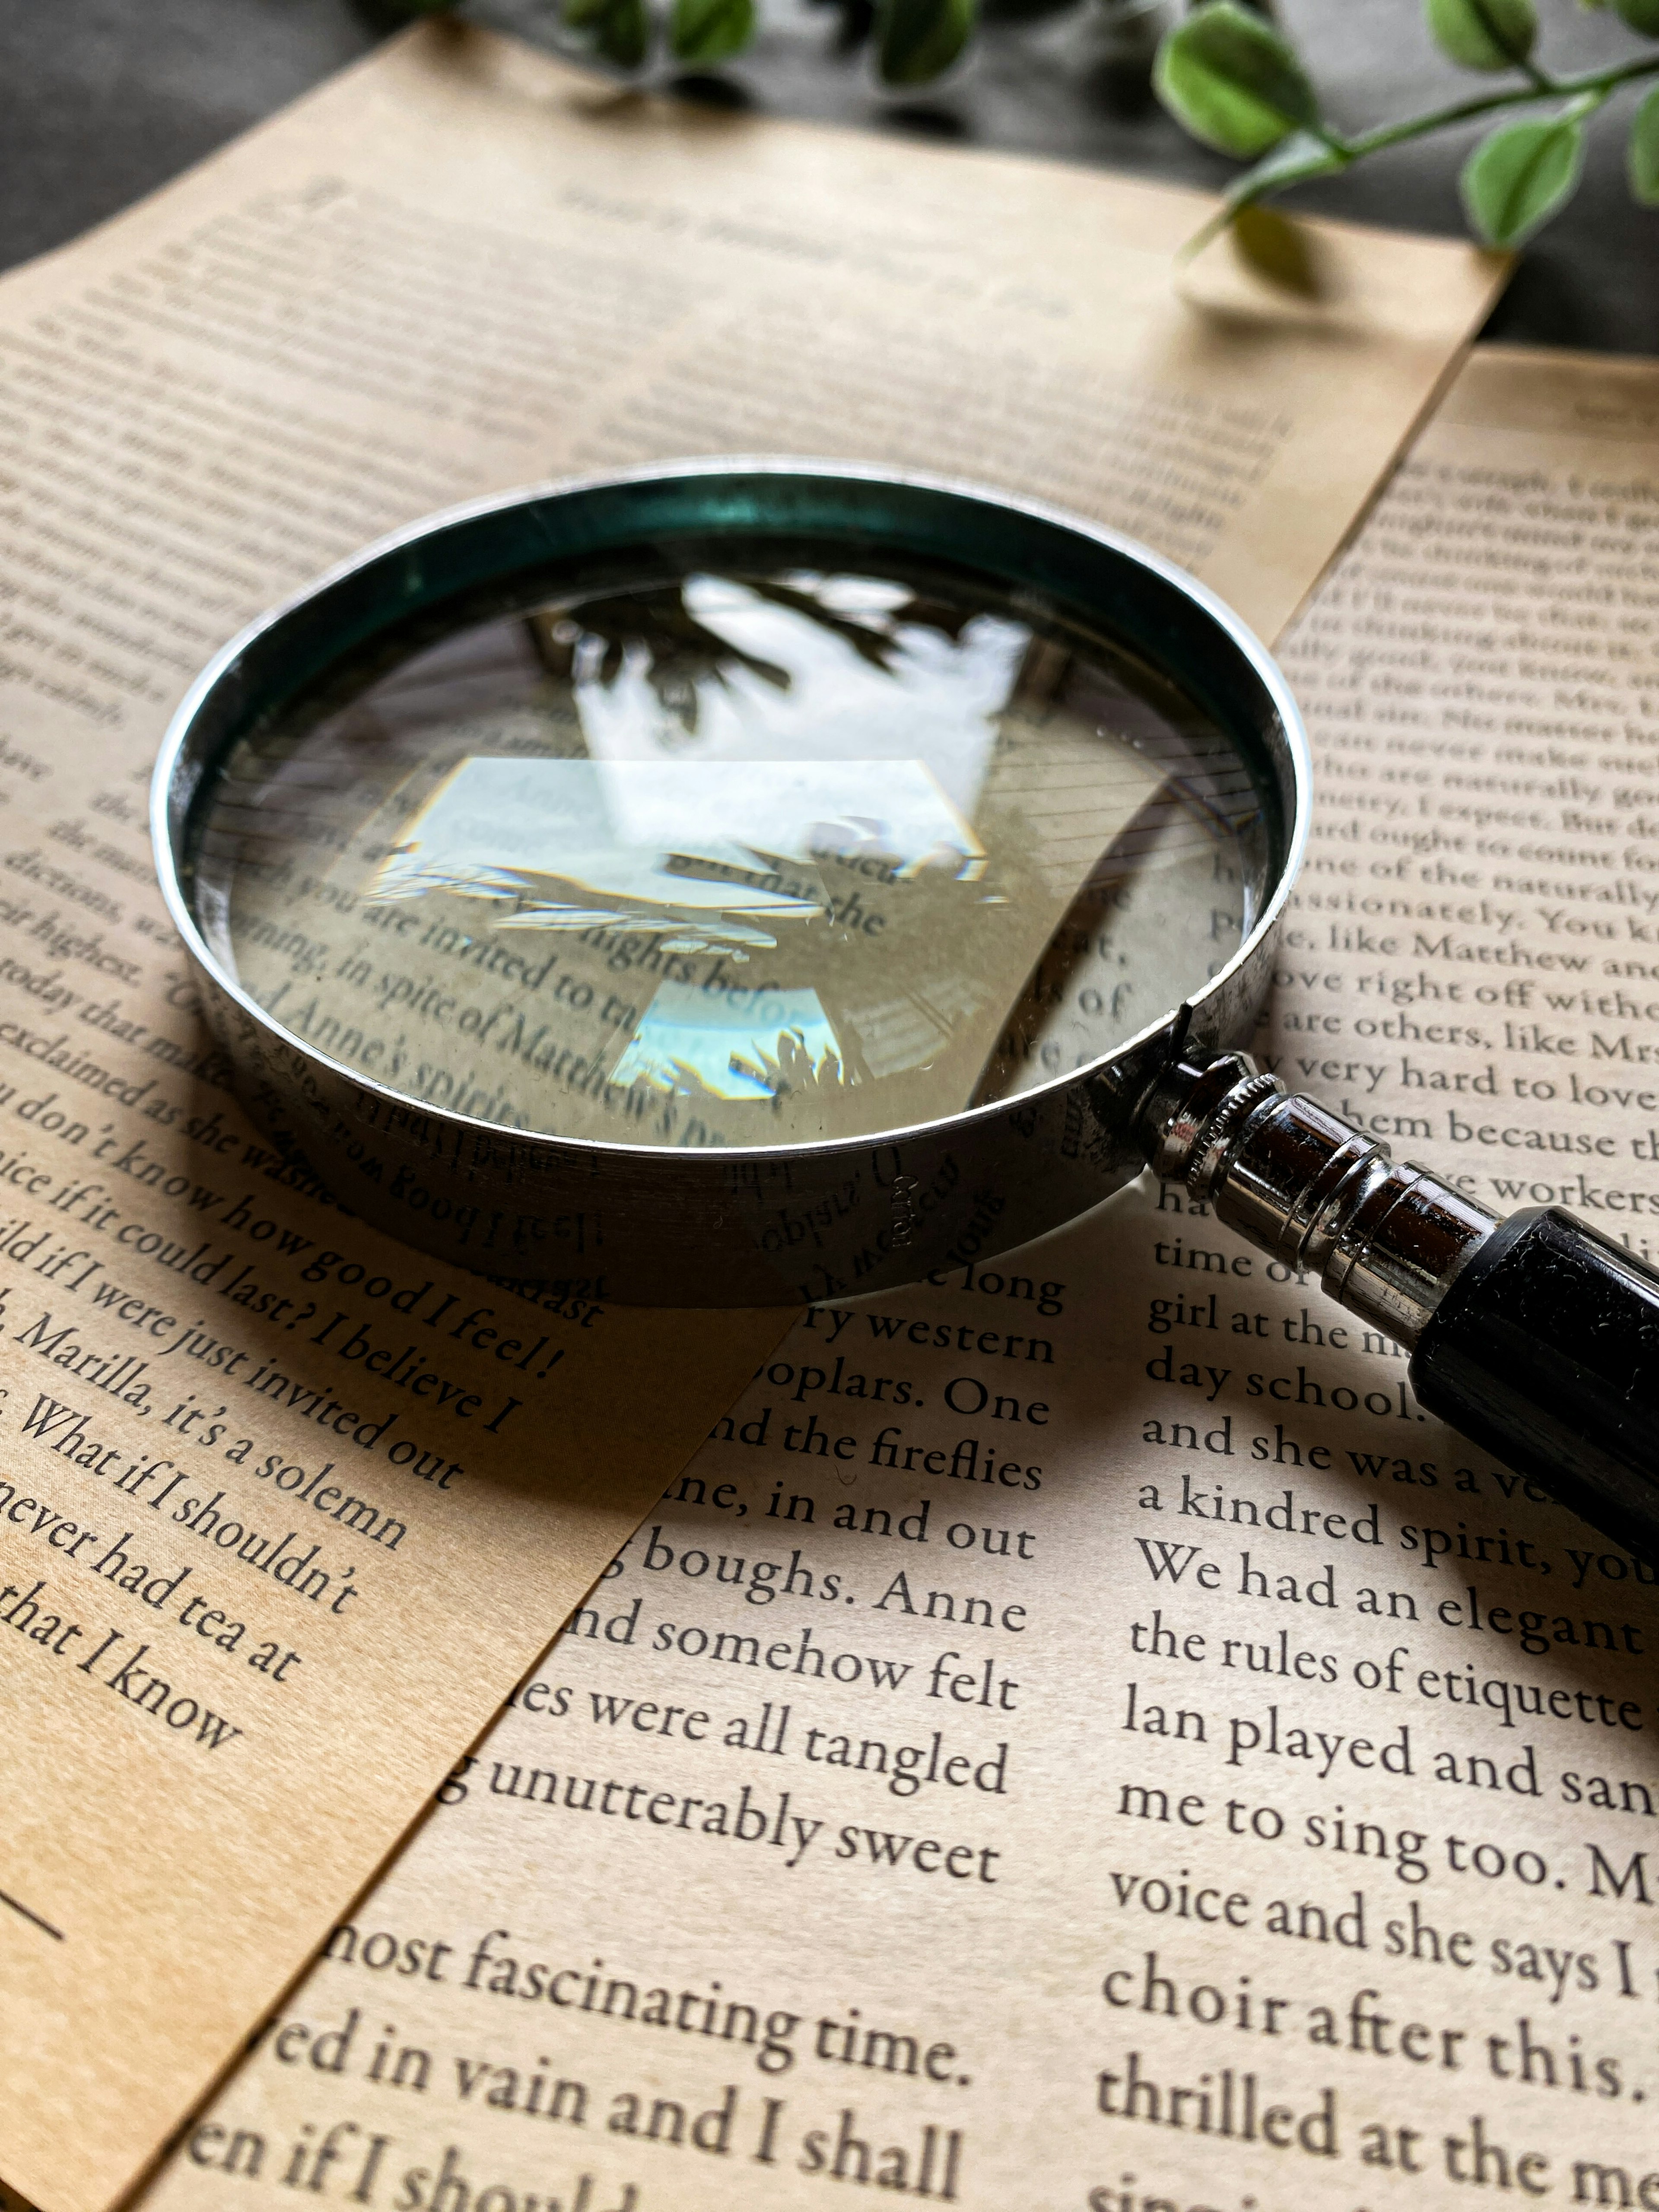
[
  {"x": 459, "y": 267},
  {"x": 284, "y": 1508},
  {"x": 463, "y": 265},
  {"x": 1079, "y": 1736}
]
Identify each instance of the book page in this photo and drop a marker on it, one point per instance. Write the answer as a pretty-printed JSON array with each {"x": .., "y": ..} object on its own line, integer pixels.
[
  {"x": 1078, "y": 1736},
  {"x": 458, "y": 267}
]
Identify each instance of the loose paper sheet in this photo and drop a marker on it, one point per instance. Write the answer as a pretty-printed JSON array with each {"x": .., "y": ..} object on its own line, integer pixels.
[
  {"x": 1130, "y": 1757},
  {"x": 456, "y": 267}
]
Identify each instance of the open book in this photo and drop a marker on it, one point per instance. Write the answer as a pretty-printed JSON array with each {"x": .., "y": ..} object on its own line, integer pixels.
[
  {"x": 1077, "y": 1736},
  {"x": 342, "y": 1495}
]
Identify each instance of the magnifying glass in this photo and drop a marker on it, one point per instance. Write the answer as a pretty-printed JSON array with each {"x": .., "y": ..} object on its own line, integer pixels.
[{"x": 745, "y": 882}]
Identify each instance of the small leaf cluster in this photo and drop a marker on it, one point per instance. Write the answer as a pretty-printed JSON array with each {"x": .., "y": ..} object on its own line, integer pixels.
[
  {"x": 701, "y": 33},
  {"x": 1235, "y": 81},
  {"x": 914, "y": 40}
]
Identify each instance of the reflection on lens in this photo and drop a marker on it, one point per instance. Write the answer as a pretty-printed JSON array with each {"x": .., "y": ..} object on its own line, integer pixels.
[{"x": 733, "y": 855}]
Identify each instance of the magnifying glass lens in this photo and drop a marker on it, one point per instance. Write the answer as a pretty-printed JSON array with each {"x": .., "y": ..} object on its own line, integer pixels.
[{"x": 705, "y": 853}]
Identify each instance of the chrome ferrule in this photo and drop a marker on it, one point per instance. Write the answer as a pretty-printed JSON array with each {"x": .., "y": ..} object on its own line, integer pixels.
[{"x": 1385, "y": 1238}]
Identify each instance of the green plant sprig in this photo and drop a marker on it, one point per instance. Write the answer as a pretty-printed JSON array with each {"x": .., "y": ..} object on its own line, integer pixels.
[
  {"x": 914, "y": 40},
  {"x": 1235, "y": 81}
]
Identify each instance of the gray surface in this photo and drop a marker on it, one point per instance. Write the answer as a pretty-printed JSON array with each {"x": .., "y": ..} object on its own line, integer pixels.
[{"x": 101, "y": 100}]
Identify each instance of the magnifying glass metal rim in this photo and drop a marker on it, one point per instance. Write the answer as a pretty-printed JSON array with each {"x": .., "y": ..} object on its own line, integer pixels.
[
  {"x": 671, "y": 1180},
  {"x": 167, "y": 822}
]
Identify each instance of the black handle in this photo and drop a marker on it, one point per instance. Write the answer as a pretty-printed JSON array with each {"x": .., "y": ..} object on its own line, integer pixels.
[
  {"x": 1544, "y": 1349},
  {"x": 1537, "y": 1336}
]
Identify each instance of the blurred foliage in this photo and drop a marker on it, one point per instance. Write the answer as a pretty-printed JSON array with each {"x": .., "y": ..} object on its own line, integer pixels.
[
  {"x": 1232, "y": 77},
  {"x": 913, "y": 42}
]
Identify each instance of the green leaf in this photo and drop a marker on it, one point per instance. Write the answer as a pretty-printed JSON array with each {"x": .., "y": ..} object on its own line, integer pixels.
[
  {"x": 1642, "y": 15},
  {"x": 917, "y": 40},
  {"x": 1483, "y": 34},
  {"x": 1230, "y": 78},
  {"x": 709, "y": 31},
  {"x": 618, "y": 29},
  {"x": 1519, "y": 175},
  {"x": 625, "y": 33},
  {"x": 1642, "y": 153}
]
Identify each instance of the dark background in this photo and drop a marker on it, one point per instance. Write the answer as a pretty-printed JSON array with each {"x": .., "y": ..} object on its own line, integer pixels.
[{"x": 101, "y": 100}]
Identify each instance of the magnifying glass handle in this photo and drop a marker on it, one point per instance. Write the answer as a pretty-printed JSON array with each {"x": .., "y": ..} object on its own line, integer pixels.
[{"x": 1535, "y": 1335}]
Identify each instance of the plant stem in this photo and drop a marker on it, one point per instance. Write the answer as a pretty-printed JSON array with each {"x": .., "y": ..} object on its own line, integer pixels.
[
  {"x": 1602, "y": 82},
  {"x": 1585, "y": 94}
]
